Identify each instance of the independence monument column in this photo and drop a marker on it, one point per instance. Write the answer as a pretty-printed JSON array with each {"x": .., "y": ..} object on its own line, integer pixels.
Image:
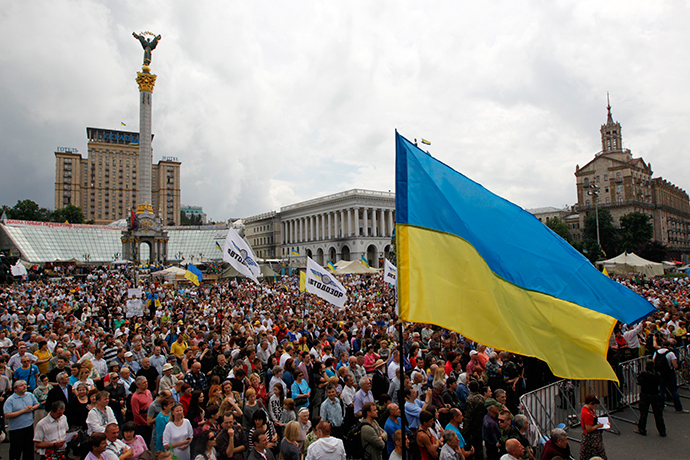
[{"x": 145, "y": 227}]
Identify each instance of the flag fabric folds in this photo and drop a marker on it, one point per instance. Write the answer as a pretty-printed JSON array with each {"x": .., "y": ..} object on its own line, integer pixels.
[
  {"x": 240, "y": 256},
  {"x": 323, "y": 284},
  {"x": 218, "y": 246},
  {"x": 365, "y": 261},
  {"x": 302, "y": 281},
  {"x": 294, "y": 252},
  {"x": 424, "y": 141},
  {"x": 193, "y": 274},
  {"x": 331, "y": 266},
  {"x": 390, "y": 272},
  {"x": 480, "y": 265}
]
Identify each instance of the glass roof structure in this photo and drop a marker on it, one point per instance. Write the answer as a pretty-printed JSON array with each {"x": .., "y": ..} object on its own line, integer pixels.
[{"x": 41, "y": 242}]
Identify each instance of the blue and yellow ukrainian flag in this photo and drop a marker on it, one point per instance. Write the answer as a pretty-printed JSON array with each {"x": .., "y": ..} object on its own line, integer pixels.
[
  {"x": 470, "y": 261},
  {"x": 218, "y": 246},
  {"x": 365, "y": 261},
  {"x": 331, "y": 266},
  {"x": 193, "y": 274},
  {"x": 294, "y": 252}
]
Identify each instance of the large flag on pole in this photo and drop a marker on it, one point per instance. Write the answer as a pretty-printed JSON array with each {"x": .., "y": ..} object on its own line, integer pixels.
[
  {"x": 240, "y": 256},
  {"x": 475, "y": 263},
  {"x": 390, "y": 272},
  {"x": 323, "y": 284}
]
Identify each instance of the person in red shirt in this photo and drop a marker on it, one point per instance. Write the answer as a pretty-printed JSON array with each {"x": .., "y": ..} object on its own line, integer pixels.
[{"x": 592, "y": 444}]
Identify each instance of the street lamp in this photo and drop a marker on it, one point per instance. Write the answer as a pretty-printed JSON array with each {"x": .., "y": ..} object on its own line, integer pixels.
[{"x": 594, "y": 193}]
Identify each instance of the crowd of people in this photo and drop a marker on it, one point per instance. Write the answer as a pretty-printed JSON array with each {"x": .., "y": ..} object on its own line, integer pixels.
[{"x": 238, "y": 370}]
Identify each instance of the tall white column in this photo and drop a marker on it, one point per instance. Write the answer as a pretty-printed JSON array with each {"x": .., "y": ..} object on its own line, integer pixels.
[
  {"x": 146, "y": 83},
  {"x": 356, "y": 213},
  {"x": 373, "y": 222},
  {"x": 323, "y": 226},
  {"x": 342, "y": 223},
  {"x": 366, "y": 222},
  {"x": 328, "y": 223}
]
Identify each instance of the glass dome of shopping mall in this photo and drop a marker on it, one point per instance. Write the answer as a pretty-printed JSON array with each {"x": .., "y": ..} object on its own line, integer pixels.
[{"x": 41, "y": 242}]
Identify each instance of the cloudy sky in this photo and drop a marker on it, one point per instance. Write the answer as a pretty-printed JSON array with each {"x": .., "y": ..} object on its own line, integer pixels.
[{"x": 269, "y": 103}]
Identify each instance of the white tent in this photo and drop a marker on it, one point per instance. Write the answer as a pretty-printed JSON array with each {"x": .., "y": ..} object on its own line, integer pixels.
[
  {"x": 632, "y": 264},
  {"x": 344, "y": 267},
  {"x": 169, "y": 273}
]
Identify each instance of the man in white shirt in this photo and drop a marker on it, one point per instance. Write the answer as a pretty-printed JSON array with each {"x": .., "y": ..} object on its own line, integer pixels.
[{"x": 51, "y": 430}]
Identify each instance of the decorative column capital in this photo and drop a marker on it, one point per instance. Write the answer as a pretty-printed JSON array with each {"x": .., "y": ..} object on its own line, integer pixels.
[{"x": 146, "y": 81}]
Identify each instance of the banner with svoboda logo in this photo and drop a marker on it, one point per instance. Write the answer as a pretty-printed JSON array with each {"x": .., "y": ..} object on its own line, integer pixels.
[
  {"x": 240, "y": 256},
  {"x": 323, "y": 284},
  {"x": 390, "y": 272}
]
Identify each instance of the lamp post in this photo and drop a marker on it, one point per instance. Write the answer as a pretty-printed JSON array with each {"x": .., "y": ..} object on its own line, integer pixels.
[{"x": 594, "y": 193}]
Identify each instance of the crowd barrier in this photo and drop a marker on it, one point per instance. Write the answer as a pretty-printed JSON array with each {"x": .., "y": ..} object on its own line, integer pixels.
[{"x": 561, "y": 402}]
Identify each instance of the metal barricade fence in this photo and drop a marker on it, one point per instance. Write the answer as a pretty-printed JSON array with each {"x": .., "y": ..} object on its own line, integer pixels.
[{"x": 561, "y": 403}]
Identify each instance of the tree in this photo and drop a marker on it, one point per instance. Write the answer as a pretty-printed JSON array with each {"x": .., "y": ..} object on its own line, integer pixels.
[
  {"x": 608, "y": 235},
  {"x": 69, "y": 213},
  {"x": 194, "y": 219},
  {"x": 28, "y": 210},
  {"x": 560, "y": 228},
  {"x": 653, "y": 250},
  {"x": 636, "y": 230}
]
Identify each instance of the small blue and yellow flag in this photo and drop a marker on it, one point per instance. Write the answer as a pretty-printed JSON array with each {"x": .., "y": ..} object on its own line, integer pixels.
[
  {"x": 424, "y": 141},
  {"x": 470, "y": 261},
  {"x": 218, "y": 247},
  {"x": 194, "y": 275},
  {"x": 331, "y": 266},
  {"x": 294, "y": 252},
  {"x": 123, "y": 123},
  {"x": 365, "y": 261}
]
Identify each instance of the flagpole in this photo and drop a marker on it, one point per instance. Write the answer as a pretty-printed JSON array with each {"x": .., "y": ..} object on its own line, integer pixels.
[{"x": 401, "y": 391}]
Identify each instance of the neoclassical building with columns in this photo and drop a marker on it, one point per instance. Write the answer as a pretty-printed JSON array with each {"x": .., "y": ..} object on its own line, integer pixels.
[{"x": 345, "y": 225}]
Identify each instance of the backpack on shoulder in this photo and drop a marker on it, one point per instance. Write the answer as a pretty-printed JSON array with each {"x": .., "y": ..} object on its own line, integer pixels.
[{"x": 353, "y": 442}]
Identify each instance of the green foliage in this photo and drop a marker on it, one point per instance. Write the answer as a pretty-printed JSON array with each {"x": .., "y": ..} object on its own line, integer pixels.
[
  {"x": 608, "y": 235},
  {"x": 560, "y": 228},
  {"x": 27, "y": 210},
  {"x": 69, "y": 213},
  {"x": 194, "y": 219},
  {"x": 653, "y": 250},
  {"x": 636, "y": 230}
]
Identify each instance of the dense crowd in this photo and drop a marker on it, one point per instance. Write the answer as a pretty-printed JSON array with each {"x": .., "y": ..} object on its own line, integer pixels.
[{"x": 238, "y": 370}]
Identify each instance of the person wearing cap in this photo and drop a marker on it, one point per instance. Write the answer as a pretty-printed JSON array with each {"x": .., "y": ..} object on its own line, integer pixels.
[
  {"x": 592, "y": 443},
  {"x": 491, "y": 433},
  {"x": 130, "y": 363},
  {"x": 168, "y": 381}
]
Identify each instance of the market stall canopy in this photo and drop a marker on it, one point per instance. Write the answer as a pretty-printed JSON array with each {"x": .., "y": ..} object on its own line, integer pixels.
[
  {"x": 629, "y": 264},
  {"x": 353, "y": 267},
  {"x": 169, "y": 273},
  {"x": 230, "y": 272}
]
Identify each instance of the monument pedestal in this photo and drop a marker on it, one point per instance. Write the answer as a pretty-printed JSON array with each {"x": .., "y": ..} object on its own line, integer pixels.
[{"x": 149, "y": 232}]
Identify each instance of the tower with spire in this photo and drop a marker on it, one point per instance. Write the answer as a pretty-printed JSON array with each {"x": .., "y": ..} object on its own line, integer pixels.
[{"x": 611, "y": 138}]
